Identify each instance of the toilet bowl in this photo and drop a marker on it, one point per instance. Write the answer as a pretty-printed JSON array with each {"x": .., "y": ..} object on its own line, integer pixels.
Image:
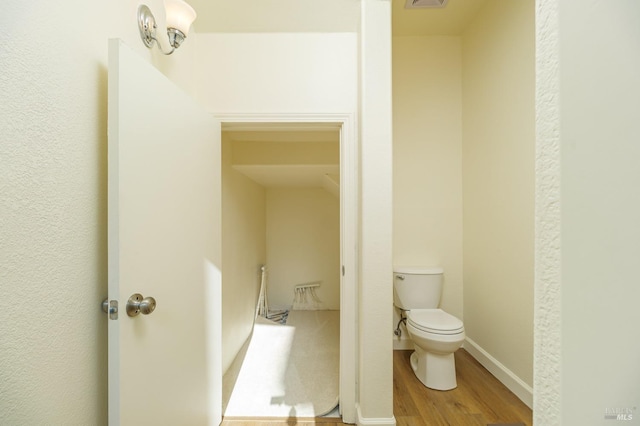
[{"x": 436, "y": 335}]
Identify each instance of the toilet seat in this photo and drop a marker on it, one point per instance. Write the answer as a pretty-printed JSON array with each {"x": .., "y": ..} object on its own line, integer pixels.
[{"x": 435, "y": 321}]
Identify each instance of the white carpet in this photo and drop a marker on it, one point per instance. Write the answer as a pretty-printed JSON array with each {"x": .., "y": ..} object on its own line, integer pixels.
[{"x": 287, "y": 370}]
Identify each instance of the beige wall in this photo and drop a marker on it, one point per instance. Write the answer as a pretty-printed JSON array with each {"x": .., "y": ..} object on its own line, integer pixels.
[
  {"x": 243, "y": 252},
  {"x": 375, "y": 369},
  {"x": 278, "y": 72},
  {"x": 498, "y": 182},
  {"x": 598, "y": 100},
  {"x": 427, "y": 175},
  {"x": 53, "y": 203},
  {"x": 303, "y": 244}
]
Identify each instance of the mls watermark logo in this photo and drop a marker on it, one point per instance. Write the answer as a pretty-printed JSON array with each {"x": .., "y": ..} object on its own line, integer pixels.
[{"x": 619, "y": 413}]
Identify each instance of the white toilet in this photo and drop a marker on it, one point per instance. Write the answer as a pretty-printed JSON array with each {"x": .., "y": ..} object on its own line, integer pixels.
[{"x": 436, "y": 334}]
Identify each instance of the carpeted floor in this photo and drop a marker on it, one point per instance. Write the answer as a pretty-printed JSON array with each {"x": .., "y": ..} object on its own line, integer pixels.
[{"x": 289, "y": 370}]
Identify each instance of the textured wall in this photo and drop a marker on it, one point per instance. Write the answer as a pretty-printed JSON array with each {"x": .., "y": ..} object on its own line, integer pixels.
[
  {"x": 53, "y": 204},
  {"x": 547, "y": 318}
]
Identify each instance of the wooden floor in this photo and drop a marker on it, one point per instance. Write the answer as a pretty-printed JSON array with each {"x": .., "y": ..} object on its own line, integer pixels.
[{"x": 479, "y": 400}]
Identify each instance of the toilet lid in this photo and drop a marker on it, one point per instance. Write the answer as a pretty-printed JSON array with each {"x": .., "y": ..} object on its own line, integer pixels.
[{"x": 434, "y": 321}]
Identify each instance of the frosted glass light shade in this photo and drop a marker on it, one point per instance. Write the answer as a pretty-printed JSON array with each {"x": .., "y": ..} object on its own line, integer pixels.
[{"x": 179, "y": 15}]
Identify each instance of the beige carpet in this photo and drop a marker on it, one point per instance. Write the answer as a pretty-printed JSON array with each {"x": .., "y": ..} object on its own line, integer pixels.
[{"x": 287, "y": 370}]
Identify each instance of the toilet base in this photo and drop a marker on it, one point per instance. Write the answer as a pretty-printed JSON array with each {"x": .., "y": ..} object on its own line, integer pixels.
[{"x": 435, "y": 371}]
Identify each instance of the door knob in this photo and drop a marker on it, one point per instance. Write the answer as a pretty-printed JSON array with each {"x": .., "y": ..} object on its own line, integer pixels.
[{"x": 139, "y": 305}]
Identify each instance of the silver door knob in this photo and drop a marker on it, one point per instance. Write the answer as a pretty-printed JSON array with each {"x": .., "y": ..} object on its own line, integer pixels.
[{"x": 139, "y": 305}]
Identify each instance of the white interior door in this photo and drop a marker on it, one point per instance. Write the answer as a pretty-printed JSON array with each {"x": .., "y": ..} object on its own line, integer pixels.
[{"x": 164, "y": 242}]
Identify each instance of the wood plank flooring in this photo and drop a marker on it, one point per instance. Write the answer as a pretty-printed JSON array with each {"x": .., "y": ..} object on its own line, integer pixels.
[{"x": 480, "y": 399}]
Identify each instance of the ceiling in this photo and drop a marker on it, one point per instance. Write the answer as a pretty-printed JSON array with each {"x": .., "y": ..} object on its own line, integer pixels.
[
  {"x": 326, "y": 16},
  {"x": 450, "y": 20},
  {"x": 287, "y": 157}
]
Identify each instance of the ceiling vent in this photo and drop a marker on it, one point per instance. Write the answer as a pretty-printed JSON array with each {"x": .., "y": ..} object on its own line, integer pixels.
[{"x": 421, "y": 4}]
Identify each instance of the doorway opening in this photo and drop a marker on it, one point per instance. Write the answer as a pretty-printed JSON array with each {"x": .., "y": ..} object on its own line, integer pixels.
[{"x": 285, "y": 208}]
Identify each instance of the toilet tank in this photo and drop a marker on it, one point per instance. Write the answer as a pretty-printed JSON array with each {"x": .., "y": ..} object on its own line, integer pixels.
[{"x": 417, "y": 288}]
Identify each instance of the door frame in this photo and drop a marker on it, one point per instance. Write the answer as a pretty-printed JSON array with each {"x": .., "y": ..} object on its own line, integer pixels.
[{"x": 346, "y": 123}]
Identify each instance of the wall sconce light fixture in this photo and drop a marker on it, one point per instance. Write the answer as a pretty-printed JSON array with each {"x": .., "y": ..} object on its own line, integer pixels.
[{"x": 179, "y": 18}]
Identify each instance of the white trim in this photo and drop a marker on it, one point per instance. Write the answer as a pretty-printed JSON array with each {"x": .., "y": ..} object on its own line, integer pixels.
[
  {"x": 349, "y": 259},
  {"x": 346, "y": 122},
  {"x": 277, "y": 121},
  {"x": 502, "y": 373},
  {"x": 374, "y": 421}
]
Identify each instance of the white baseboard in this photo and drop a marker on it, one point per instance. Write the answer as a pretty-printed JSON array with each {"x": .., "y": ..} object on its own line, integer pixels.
[
  {"x": 502, "y": 373},
  {"x": 370, "y": 421}
]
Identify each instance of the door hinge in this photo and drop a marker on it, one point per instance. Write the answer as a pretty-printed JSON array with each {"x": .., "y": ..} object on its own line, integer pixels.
[{"x": 110, "y": 307}]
